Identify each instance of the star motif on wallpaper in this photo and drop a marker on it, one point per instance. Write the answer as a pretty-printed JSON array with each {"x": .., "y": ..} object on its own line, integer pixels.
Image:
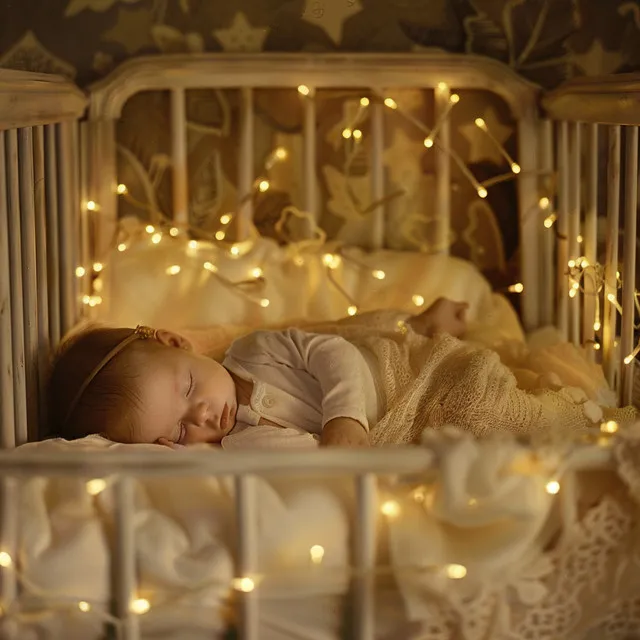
[
  {"x": 481, "y": 147},
  {"x": 403, "y": 158},
  {"x": 596, "y": 60},
  {"x": 330, "y": 15},
  {"x": 241, "y": 36},
  {"x": 132, "y": 31},
  {"x": 28, "y": 54}
]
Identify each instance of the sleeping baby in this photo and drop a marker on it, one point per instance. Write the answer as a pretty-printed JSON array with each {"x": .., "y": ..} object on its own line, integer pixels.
[{"x": 366, "y": 380}]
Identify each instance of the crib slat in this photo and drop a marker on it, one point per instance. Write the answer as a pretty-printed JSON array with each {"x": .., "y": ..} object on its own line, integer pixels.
[
  {"x": 610, "y": 361},
  {"x": 310, "y": 186},
  {"x": 65, "y": 220},
  {"x": 246, "y": 510},
  {"x": 53, "y": 240},
  {"x": 562, "y": 230},
  {"x": 245, "y": 165},
  {"x": 125, "y": 558},
  {"x": 41, "y": 269},
  {"x": 29, "y": 276},
  {"x": 9, "y": 524},
  {"x": 7, "y": 433},
  {"x": 377, "y": 174},
  {"x": 85, "y": 248},
  {"x": 546, "y": 166},
  {"x": 443, "y": 170},
  {"x": 17, "y": 303},
  {"x": 179, "y": 156},
  {"x": 629, "y": 261},
  {"x": 590, "y": 236},
  {"x": 574, "y": 221},
  {"x": 364, "y": 554}
]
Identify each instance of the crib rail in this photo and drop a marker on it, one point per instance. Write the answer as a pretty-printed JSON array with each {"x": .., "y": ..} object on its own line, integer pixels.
[{"x": 583, "y": 113}]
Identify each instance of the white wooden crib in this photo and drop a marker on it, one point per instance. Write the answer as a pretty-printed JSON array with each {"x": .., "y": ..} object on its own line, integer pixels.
[{"x": 59, "y": 194}]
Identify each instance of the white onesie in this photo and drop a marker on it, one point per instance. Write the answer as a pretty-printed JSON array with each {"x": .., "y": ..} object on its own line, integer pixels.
[{"x": 301, "y": 381}]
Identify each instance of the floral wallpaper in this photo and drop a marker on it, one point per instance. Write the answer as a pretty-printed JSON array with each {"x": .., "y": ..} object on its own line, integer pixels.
[{"x": 546, "y": 41}]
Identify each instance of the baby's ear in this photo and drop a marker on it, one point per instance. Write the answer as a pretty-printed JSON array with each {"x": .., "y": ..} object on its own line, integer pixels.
[{"x": 171, "y": 339}]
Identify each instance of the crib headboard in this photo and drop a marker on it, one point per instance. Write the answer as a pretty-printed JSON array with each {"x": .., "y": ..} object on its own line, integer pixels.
[
  {"x": 376, "y": 76},
  {"x": 39, "y": 219}
]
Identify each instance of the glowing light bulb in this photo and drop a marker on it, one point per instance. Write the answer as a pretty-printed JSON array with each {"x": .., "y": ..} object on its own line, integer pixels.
[
  {"x": 317, "y": 553},
  {"x": 234, "y": 251},
  {"x": 456, "y": 571},
  {"x": 572, "y": 293},
  {"x": 193, "y": 244},
  {"x": 454, "y": 98},
  {"x": 597, "y": 325},
  {"x": 220, "y": 235},
  {"x": 5, "y": 559},
  {"x": 225, "y": 219},
  {"x": 280, "y": 153},
  {"x": 378, "y": 274},
  {"x": 265, "y": 302},
  {"x": 611, "y": 297},
  {"x": 596, "y": 346},
  {"x": 357, "y": 134},
  {"x": 544, "y": 203},
  {"x": 418, "y": 300},
  {"x": 549, "y": 220},
  {"x": 390, "y": 508},
  {"x": 86, "y": 299},
  {"x": 122, "y": 189},
  {"x": 442, "y": 86},
  {"x": 263, "y": 185},
  {"x": 515, "y": 167},
  {"x": 331, "y": 260},
  {"x": 482, "y": 192},
  {"x": 346, "y": 133},
  {"x": 209, "y": 266},
  {"x": 98, "y": 266},
  {"x": 92, "y": 206},
  {"x": 391, "y": 103},
  {"x": 428, "y": 143},
  {"x": 571, "y": 264},
  {"x": 85, "y": 607},
  {"x": 173, "y": 270},
  {"x": 611, "y": 426},
  {"x": 579, "y": 239},
  {"x": 480, "y": 123},
  {"x": 352, "y": 310},
  {"x": 552, "y": 487},
  {"x": 95, "y": 486},
  {"x": 518, "y": 287},
  {"x": 150, "y": 228},
  {"x": 257, "y": 272},
  {"x": 156, "y": 237},
  {"x": 628, "y": 359},
  {"x": 304, "y": 90},
  {"x": 140, "y": 606},
  {"x": 575, "y": 286},
  {"x": 80, "y": 271},
  {"x": 174, "y": 232},
  {"x": 364, "y": 102},
  {"x": 618, "y": 274},
  {"x": 246, "y": 585},
  {"x": 122, "y": 247}
]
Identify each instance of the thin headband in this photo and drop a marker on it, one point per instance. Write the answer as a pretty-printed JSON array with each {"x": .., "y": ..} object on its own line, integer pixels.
[{"x": 140, "y": 332}]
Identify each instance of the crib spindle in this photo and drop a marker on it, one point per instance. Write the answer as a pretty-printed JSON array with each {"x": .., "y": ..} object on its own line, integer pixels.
[
  {"x": 246, "y": 510},
  {"x": 41, "y": 268},
  {"x": 443, "y": 170},
  {"x": 245, "y": 165},
  {"x": 125, "y": 558},
  {"x": 377, "y": 174},
  {"x": 575, "y": 131},
  {"x": 29, "y": 276},
  {"x": 15, "y": 274},
  {"x": 309, "y": 180},
  {"x": 547, "y": 245},
  {"x": 590, "y": 239},
  {"x": 562, "y": 230},
  {"x": 179, "y": 156},
  {"x": 629, "y": 262},
  {"x": 85, "y": 249},
  {"x": 53, "y": 238},
  {"x": 365, "y": 557},
  {"x": 7, "y": 435}
]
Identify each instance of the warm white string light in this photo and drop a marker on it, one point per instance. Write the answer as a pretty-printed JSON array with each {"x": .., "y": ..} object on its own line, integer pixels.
[
  {"x": 482, "y": 125},
  {"x": 454, "y": 98}
]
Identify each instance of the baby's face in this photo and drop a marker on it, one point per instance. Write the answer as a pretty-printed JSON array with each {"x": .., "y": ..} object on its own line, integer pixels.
[{"x": 186, "y": 398}]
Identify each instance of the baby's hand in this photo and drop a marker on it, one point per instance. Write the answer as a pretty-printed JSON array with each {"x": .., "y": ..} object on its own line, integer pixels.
[
  {"x": 344, "y": 432},
  {"x": 443, "y": 316}
]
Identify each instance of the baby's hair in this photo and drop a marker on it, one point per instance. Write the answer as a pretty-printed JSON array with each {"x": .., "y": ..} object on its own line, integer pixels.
[{"x": 110, "y": 401}]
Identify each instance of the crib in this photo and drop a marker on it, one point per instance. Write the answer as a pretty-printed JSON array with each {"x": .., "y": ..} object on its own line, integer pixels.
[{"x": 59, "y": 200}]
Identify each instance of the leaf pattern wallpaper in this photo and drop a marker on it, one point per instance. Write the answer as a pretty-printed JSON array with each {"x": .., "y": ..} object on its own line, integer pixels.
[{"x": 546, "y": 41}]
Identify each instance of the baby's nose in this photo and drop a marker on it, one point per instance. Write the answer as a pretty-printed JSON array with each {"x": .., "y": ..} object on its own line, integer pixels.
[{"x": 199, "y": 414}]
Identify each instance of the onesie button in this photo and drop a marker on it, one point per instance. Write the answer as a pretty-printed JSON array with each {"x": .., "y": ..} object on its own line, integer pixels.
[{"x": 268, "y": 402}]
